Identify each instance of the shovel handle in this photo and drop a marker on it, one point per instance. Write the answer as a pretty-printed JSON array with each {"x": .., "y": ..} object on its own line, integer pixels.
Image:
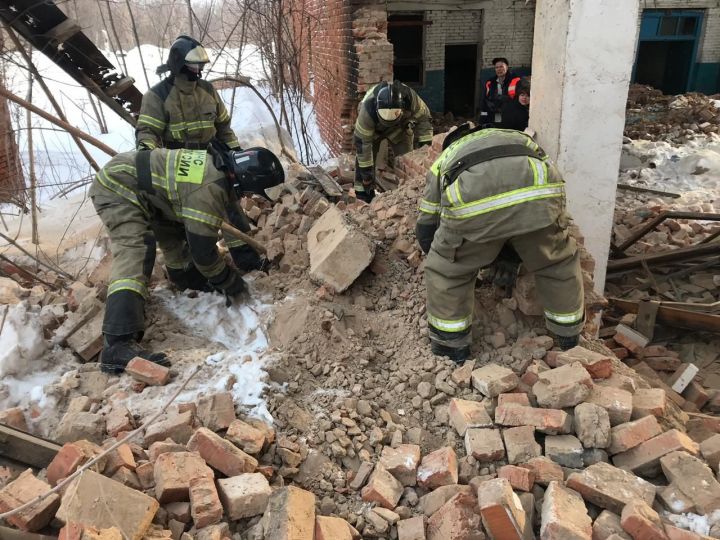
[{"x": 249, "y": 240}]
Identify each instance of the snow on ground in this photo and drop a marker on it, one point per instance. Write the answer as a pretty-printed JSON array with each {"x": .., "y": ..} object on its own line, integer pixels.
[
  {"x": 59, "y": 163},
  {"x": 69, "y": 224},
  {"x": 692, "y": 170}
]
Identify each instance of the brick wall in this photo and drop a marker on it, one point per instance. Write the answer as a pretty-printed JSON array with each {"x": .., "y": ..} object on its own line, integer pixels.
[
  {"x": 347, "y": 52},
  {"x": 508, "y": 31},
  {"x": 11, "y": 176},
  {"x": 449, "y": 28}
]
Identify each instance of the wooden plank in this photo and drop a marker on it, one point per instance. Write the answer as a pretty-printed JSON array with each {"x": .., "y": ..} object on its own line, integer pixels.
[
  {"x": 25, "y": 448},
  {"x": 328, "y": 183},
  {"x": 681, "y": 318},
  {"x": 664, "y": 257}
]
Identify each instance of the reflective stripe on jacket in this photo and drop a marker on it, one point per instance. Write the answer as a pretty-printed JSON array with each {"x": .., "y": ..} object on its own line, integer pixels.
[
  {"x": 497, "y": 198},
  {"x": 178, "y": 112}
]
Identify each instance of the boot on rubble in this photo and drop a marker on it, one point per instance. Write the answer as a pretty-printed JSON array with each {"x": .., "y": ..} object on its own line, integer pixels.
[{"x": 119, "y": 350}]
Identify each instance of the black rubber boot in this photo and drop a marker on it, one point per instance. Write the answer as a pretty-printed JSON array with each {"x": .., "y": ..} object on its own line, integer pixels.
[
  {"x": 456, "y": 354},
  {"x": 115, "y": 356},
  {"x": 367, "y": 196},
  {"x": 568, "y": 342},
  {"x": 189, "y": 278}
]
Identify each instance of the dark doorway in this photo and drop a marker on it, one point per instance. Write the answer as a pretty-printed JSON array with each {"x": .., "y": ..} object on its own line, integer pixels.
[
  {"x": 667, "y": 49},
  {"x": 405, "y": 32},
  {"x": 460, "y": 76},
  {"x": 665, "y": 65}
]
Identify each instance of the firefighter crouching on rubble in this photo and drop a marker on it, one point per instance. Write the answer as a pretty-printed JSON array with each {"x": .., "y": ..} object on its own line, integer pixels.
[
  {"x": 391, "y": 111},
  {"x": 494, "y": 192},
  {"x": 183, "y": 110},
  {"x": 179, "y": 199}
]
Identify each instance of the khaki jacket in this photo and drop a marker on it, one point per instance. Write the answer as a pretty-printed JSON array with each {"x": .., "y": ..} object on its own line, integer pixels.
[{"x": 179, "y": 113}]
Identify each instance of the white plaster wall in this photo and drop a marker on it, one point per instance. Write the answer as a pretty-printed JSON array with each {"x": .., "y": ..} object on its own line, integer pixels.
[{"x": 582, "y": 63}]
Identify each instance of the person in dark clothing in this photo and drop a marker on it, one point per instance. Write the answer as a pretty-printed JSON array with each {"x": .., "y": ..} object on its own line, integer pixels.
[
  {"x": 516, "y": 112},
  {"x": 498, "y": 91}
]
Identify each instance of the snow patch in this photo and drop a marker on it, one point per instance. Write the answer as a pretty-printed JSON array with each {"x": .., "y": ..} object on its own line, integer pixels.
[
  {"x": 240, "y": 369},
  {"x": 21, "y": 342}
]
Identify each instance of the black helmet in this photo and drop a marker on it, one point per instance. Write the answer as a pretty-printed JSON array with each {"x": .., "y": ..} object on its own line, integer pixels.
[
  {"x": 461, "y": 131},
  {"x": 391, "y": 99},
  {"x": 255, "y": 170},
  {"x": 185, "y": 52}
]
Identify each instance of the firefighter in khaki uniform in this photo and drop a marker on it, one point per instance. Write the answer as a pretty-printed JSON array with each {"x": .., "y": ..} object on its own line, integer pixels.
[
  {"x": 493, "y": 194},
  {"x": 391, "y": 111},
  {"x": 183, "y": 111},
  {"x": 179, "y": 199}
]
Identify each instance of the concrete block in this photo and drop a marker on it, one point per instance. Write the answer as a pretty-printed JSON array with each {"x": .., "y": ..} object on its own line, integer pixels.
[
  {"x": 98, "y": 501},
  {"x": 561, "y": 387},
  {"x": 609, "y": 487},
  {"x": 339, "y": 251}
]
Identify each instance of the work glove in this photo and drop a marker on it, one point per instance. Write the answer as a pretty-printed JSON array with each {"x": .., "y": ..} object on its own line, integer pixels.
[
  {"x": 189, "y": 278},
  {"x": 233, "y": 285},
  {"x": 247, "y": 259},
  {"x": 425, "y": 234}
]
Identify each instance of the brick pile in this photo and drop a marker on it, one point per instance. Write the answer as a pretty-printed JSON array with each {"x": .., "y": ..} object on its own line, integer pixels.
[
  {"x": 657, "y": 117},
  {"x": 573, "y": 446}
]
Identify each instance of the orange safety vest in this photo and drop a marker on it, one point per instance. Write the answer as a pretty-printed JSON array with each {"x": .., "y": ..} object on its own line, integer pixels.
[{"x": 511, "y": 88}]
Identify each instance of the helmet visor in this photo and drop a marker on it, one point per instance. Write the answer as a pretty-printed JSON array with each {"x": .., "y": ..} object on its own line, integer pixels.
[
  {"x": 197, "y": 55},
  {"x": 389, "y": 115}
]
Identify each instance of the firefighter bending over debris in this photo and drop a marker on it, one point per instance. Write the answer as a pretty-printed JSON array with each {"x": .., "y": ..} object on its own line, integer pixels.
[
  {"x": 391, "y": 111},
  {"x": 491, "y": 196},
  {"x": 183, "y": 111},
  {"x": 179, "y": 199}
]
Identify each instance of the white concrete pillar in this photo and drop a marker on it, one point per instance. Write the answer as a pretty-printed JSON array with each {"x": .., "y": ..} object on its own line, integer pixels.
[{"x": 582, "y": 63}]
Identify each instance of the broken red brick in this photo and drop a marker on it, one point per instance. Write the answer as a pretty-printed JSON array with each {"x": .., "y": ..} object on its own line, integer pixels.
[
  {"x": 14, "y": 417},
  {"x": 290, "y": 514},
  {"x": 597, "y": 365},
  {"x": 492, "y": 380},
  {"x": 245, "y": 437},
  {"x": 517, "y": 398},
  {"x": 177, "y": 427},
  {"x": 147, "y": 372},
  {"x": 616, "y": 401},
  {"x": 118, "y": 420},
  {"x": 564, "y": 515},
  {"x": 521, "y": 444},
  {"x": 696, "y": 394},
  {"x": 645, "y": 458},
  {"x": 122, "y": 456},
  {"x": 216, "y": 411},
  {"x": 402, "y": 462},
  {"x": 485, "y": 445},
  {"x": 694, "y": 479},
  {"x": 544, "y": 470},
  {"x": 173, "y": 472},
  {"x": 332, "y": 528},
  {"x": 245, "y": 495},
  {"x": 564, "y": 386},
  {"x": 411, "y": 529},
  {"x": 220, "y": 453},
  {"x": 382, "y": 488},
  {"x": 673, "y": 533},
  {"x": 625, "y": 436},
  {"x": 23, "y": 489},
  {"x": 438, "y": 468},
  {"x": 640, "y": 521},
  {"x": 65, "y": 462},
  {"x": 610, "y": 487},
  {"x": 502, "y": 513},
  {"x": 548, "y": 421},
  {"x": 649, "y": 401},
  {"x": 455, "y": 519},
  {"x": 468, "y": 414},
  {"x": 521, "y": 478},
  {"x": 205, "y": 504},
  {"x": 146, "y": 475}
]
